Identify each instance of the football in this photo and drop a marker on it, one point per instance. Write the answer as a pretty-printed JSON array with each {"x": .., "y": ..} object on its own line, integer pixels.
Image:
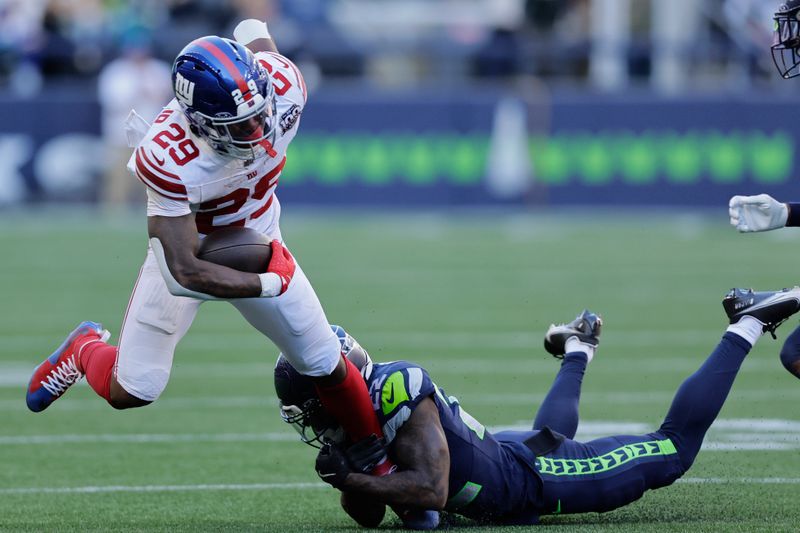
[
  {"x": 242, "y": 249},
  {"x": 367, "y": 512}
]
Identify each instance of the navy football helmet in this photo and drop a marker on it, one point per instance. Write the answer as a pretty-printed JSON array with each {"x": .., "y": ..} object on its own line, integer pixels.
[
  {"x": 786, "y": 42},
  {"x": 299, "y": 403},
  {"x": 227, "y": 96}
]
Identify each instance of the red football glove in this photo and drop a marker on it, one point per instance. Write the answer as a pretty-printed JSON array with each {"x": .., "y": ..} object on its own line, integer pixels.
[{"x": 281, "y": 263}]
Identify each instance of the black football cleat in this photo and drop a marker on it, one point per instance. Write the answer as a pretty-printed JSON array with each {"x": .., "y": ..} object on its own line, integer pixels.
[
  {"x": 586, "y": 327},
  {"x": 771, "y": 308}
]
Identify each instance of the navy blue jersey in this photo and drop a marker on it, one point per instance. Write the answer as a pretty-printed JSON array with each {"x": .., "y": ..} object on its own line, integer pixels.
[{"x": 489, "y": 480}]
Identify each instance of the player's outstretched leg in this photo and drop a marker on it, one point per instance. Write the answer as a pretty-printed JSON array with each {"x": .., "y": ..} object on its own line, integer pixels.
[
  {"x": 575, "y": 343},
  {"x": 700, "y": 398},
  {"x": 59, "y": 371},
  {"x": 790, "y": 353}
]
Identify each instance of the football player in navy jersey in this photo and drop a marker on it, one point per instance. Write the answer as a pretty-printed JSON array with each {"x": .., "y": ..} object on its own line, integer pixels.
[
  {"x": 762, "y": 212},
  {"x": 447, "y": 460}
]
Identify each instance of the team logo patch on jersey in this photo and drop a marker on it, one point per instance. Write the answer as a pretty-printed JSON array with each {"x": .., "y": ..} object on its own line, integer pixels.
[
  {"x": 289, "y": 118},
  {"x": 184, "y": 89},
  {"x": 393, "y": 392}
]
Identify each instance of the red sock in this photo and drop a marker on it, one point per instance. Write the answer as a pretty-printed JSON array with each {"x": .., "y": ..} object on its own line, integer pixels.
[
  {"x": 350, "y": 404},
  {"x": 97, "y": 361}
]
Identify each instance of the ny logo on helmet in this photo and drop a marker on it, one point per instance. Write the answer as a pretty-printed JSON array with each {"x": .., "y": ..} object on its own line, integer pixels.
[{"x": 184, "y": 89}]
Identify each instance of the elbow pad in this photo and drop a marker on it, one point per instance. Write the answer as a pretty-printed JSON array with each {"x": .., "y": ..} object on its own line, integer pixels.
[{"x": 174, "y": 288}]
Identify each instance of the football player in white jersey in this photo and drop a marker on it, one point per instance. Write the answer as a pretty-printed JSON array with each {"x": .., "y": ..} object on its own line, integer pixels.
[
  {"x": 212, "y": 159},
  {"x": 762, "y": 212}
]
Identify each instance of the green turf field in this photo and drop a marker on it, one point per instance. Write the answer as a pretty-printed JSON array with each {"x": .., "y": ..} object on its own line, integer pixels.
[{"x": 467, "y": 295}]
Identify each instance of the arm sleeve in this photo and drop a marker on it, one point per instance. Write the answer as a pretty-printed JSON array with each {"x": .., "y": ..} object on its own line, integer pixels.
[
  {"x": 793, "y": 220},
  {"x": 158, "y": 205}
]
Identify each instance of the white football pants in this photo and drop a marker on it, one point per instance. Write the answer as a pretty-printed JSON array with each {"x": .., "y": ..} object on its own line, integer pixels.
[{"x": 156, "y": 320}]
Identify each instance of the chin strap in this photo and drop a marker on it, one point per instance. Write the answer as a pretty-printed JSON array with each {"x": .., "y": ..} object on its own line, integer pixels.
[{"x": 174, "y": 288}]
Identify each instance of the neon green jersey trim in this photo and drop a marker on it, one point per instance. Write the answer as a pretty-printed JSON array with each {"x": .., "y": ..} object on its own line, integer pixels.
[
  {"x": 393, "y": 392},
  {"x": 605, "y": 462},
  {"x": 464, "y": 497}
]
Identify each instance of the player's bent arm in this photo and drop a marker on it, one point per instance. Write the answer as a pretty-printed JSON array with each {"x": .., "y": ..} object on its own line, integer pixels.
[
  {"x": 175, "y": 242},
  {"x": 254, "y": 35},
  {"x": 423, "y": 462}
]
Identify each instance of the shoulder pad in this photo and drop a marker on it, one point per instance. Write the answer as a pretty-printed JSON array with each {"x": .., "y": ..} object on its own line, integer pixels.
[
  {"x": 286, "y": 77},
  {"x": 152, "y": 168},
  {"x": 397, "y": 389},
  {"x": 398, "y": 384}
]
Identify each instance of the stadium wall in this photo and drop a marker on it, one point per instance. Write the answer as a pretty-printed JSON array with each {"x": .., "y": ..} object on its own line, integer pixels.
[{"x": 459, "y": 149}]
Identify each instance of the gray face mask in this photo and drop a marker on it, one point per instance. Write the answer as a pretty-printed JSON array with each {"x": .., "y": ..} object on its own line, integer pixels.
[{"x": 786, "y": 40}]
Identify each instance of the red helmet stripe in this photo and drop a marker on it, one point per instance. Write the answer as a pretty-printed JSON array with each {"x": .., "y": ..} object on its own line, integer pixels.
[{"x": 229, "y": 66}]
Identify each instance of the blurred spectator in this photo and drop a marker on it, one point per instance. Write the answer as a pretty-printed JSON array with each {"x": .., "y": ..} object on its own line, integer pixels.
[
  {"x": 409, "y": 41},
  {"x": 543, "y": 14},
  {"x": 749, "y": 27},
  {"x": 20, "y": 24},
  {"x": 499, "y": 57},
  {"x": 137, "y": 81}
]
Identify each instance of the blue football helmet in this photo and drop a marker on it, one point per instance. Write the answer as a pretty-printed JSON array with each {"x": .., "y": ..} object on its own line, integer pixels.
[
  {"x": 227, "y": 96},
  {"x": 300, "y": 405}
]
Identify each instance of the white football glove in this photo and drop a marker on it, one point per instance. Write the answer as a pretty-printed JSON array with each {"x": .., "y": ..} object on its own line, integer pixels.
[
  {"x": 757, "y": 213},
  {"x": 249, "y": 30}
]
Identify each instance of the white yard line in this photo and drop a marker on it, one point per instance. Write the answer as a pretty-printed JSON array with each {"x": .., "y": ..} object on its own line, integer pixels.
[
  {"x": 16, "y": 374},
  {"x": 314, "y": 486},
  {"x": 743, "y": 480},
  {"x": 468, "y": 338},
  {"x": 658, "y": 398},
  {"x": 160, "y": 488},
  {"x": 725, "y": 435},
  {"x": 11, "y": 440}
]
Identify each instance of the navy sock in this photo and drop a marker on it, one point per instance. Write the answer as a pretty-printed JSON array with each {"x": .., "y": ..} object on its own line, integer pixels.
[
  {"x": 700, "y": 398},
  {"x": 559, "y": 410},
  {"x": 790, "y": 353}
]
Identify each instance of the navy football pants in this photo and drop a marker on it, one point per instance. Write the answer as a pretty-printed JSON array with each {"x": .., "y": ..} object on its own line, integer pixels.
[
  {"x": 790, "y": 353},
  {"x": 604, "y": 474}
]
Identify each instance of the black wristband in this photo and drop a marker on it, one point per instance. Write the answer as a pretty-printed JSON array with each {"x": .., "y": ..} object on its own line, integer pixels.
[{"x": 794, "y": 214}]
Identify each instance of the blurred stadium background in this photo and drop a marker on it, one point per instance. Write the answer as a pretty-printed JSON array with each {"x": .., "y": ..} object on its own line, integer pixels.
[
  {"x": 457, "y": 185},
  {"x": 522, "y": 102}
]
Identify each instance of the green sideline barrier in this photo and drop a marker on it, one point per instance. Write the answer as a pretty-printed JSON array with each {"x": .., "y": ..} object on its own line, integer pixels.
[{"x": 561, "y": 159}]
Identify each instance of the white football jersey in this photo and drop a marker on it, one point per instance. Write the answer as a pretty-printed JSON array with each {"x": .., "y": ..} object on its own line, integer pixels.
[{"x": 184, "y": 174}]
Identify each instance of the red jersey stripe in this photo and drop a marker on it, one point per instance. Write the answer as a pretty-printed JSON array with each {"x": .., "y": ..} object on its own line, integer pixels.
[
  {"x": 277, "y": 170},
  {"x": 263, "y": 209},
  {"x": 265, "y": 182},
  {"x": 288, "y": 63},
  {"x": 159, "y": 191},
  {"x": 157, "y": 168},
  {"x": 301, "y": 80},
  {"x": 158, "y": 181}
]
